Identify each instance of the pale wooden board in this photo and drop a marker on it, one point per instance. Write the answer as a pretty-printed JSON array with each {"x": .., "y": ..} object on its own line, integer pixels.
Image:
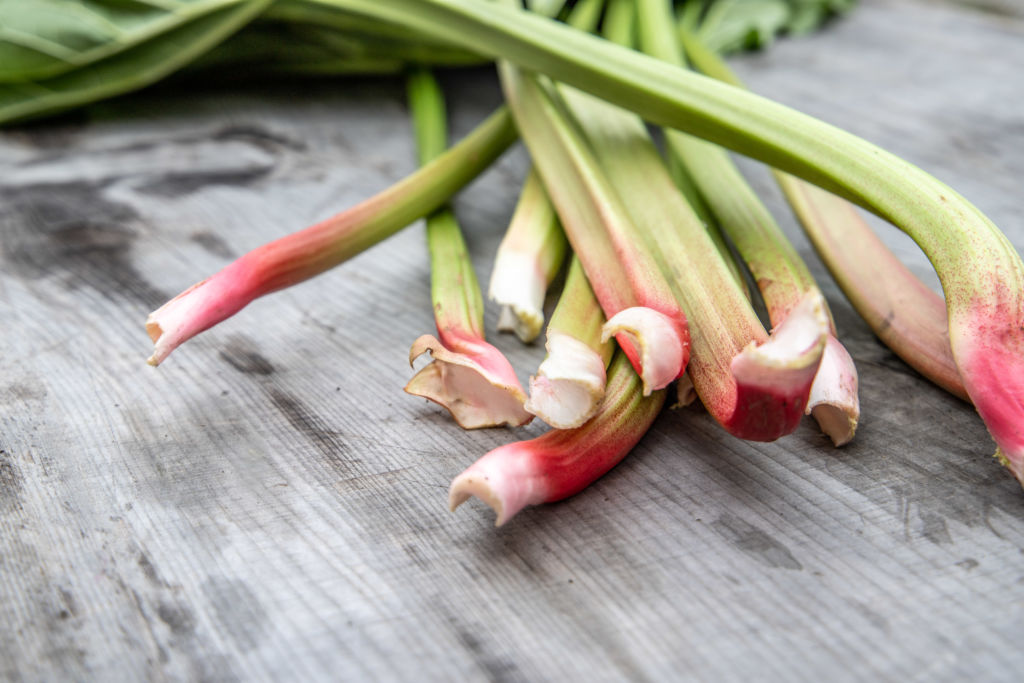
[{"x": 270, "y": 505}]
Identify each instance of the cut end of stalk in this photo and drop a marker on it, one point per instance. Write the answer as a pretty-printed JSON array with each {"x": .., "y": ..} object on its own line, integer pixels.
[
  {"x": 504, "y": 478},
  {"x": 833, "y": 400},
  {"x": 518, "y": 284},
  {"x": 661, "y": 344},
  {"x": 468, "y": 485},
  {"x": 155, "y": 332},
  {"x": 773, "y": 380},
  {"x": 474, "y": 382},
  {"x": 569, "y": 384},
  {"x": 183, "y": 317},
  {"x": 525, "y": 323}
]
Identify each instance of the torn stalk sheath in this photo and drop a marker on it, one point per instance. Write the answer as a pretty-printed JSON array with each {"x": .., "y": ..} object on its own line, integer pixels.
[
  {"x": 307, "y": 253},
  {"x": 469, "y": 377}
]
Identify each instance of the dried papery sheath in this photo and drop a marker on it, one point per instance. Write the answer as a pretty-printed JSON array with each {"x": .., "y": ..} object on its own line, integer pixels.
[
  {"x": 560, "y": 462},
  {"x": 620, "y": 269},
  {"x": 780, "y": 273},
  {"x": 528, "y": 258},
  {"x": 468, "y": 376},
  {"x": 570, "y": 383}
]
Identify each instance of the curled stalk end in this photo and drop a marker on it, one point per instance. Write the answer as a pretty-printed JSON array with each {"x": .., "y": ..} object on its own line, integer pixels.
[
  {"x": 658, "y": 346},
  {"x": 773, "y": 380},
  {"x": 833, "y": 400},
  {"x": 476, "y": 483},
  {"x": 472, "y": 380},
  {"x": 569, "y": 384},
  {"x": 518, "y": 285}
]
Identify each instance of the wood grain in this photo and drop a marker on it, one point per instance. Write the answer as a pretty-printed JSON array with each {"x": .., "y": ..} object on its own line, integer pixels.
[{"x": 269, "y": 505}]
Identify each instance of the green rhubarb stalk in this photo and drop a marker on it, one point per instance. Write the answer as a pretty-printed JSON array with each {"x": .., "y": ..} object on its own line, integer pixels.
[
  {"x": 755, "y": 387},
  {"x": 570, "y": 383},
  {"x": 906, "y": 315},
  {"x": 528, "y": 259},
  {"x": 309, "y": 252},
  {"x": 620, "y": 28},
  {"x": 980, "y": 271},
  {"x": 781, "y": 275},
  {"x": 642, "y": 312},
  {"x": 467, "y": 376}
]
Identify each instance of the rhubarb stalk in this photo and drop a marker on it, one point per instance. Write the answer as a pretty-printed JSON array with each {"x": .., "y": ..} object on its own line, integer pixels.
[
  {"x": 467, "y": 376},
  {"x": 569, "y": 385},
  {"x": 642, "y": 312},
  {"x": 756, "y": 387},
  {"x": 528, "y": 258},
  {"x": 981, "y": 273},
  {"x": 304, "y": 254},
  {"x": 902, "y": 311},
  {"x": 781, "y": 275},
  {"x": 560, "y": 462}
]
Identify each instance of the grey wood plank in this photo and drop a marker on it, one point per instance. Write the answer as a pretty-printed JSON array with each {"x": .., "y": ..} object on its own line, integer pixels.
[{"x": 269, "y": 505}]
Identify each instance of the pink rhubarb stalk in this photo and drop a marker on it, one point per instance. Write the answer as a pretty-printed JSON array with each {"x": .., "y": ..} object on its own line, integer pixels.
[
  {"x": 304, "y": 254},
  {"x": 781, "y": 275},
  {"x": 906, "y": 315},
  {"x": 642, "y": 313},
  {"x": 467, "y": 376},
  {"x": 901, "y": 310},
  {"x": 569, "y": 385},
  {"x": 754, "y": 386},
  {"x": 528, "y": 258},
  {"x": 561, "y": 463}
]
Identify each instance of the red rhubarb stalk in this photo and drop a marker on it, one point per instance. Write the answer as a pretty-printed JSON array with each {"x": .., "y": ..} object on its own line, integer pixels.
[
  {"x": 561, "y": 463},
  {"x": 906, "y": 315},
  {"x": 642, "y": 312},
  {"x": 781, "y": 275},
  {"x": 304, "y": 254},
  {"x": 754, "y": 385},
  {"x": 467, "y": 376}
]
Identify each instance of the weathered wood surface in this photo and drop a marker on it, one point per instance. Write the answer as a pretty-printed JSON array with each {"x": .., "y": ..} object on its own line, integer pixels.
[{"x": 270, "y": 505}]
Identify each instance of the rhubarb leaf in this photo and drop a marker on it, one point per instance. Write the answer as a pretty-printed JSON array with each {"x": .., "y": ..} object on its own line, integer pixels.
[
  {"x": 46, "y": 38},
  {"x": 734, "y": 25},
  {"x": 130, "y": 69}
]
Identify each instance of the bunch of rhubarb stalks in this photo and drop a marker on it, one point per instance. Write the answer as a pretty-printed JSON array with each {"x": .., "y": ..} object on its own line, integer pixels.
[{"x": 656, "y": 241}]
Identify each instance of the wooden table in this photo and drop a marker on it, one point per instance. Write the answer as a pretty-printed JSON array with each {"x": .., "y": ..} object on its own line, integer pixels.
[{"x": 269, "y": 504}]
